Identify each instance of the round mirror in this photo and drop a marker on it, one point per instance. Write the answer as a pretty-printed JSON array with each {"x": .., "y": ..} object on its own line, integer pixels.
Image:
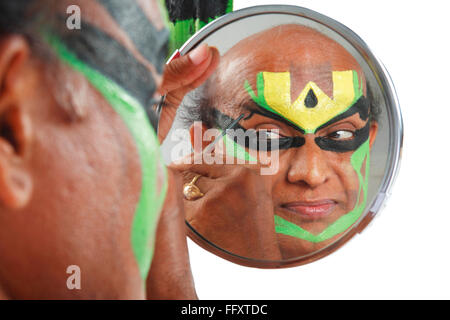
[{"x": 292, "y": 146}]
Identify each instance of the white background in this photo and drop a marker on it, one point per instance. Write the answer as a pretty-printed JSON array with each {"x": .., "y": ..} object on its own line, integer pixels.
[{"x": 404, "y": 253}]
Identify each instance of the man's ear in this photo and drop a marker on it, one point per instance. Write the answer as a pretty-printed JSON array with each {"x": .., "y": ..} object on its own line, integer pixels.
[
  {"x": 373, "y": 133},
  {"x": 197, "y": 132},
  {"x": 15, "y": 127}
]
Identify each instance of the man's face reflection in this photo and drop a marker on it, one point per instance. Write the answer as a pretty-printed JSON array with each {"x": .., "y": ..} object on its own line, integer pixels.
[{"x": 308, "y": 93}]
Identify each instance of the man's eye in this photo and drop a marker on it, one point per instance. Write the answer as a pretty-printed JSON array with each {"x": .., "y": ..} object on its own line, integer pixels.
[
  {"x": 269, "y": 134},
  {"x": 341, "y": 135}
]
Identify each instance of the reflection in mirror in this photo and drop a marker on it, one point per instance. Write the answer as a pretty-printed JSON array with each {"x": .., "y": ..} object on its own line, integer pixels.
[{"x": 275, "y": 149}]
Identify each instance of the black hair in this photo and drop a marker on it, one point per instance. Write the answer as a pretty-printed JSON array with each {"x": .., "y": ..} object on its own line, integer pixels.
[
  {"x": 16, "y": 16},
  {"x": 12, "y": 14},
  {"x": 374, "y": 105},
  {"x": 180, "y": 10},
  {"x": 196, "y": 106},
  {"x": 24, "y": 17}
]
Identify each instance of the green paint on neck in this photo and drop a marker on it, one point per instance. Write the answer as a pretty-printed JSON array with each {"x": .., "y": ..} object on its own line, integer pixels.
[
  {"x": 133, "y": 114},
  {"x": 343, "y": 223}
]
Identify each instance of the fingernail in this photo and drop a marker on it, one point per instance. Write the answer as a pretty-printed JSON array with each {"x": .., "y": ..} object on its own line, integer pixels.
[
  {"x": 175, "y": 55},
  {"x": 198, "y": 55}
]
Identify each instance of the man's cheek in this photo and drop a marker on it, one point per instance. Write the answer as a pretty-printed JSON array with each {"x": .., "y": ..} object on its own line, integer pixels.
[
  {"x": 347, "y": 174},
  {"x": 348, "y": 180}
]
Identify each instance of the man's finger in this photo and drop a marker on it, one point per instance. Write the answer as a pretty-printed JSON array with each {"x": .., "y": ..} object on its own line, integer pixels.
[
  {"x": 215, "y": 59},
  {"x": 186, "y": 69}
]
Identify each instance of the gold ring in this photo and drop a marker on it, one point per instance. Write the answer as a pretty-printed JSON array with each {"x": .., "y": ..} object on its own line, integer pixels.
[{"x": 191, "y": 191}]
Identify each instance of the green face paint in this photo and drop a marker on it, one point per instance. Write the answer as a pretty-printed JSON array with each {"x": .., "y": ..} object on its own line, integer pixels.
[
  {"x": 343, "y": 223},
  {"x": 236, "y": 151},
  {"x": 311, "y": 111},
  {"x": 135, "y": 118}
]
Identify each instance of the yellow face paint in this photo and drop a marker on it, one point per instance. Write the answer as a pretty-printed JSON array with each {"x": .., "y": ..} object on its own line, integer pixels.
[{"x": 313, "y": 107}]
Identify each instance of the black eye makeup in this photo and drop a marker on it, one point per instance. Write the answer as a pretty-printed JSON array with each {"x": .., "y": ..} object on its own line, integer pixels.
[
  {"x": 341, "y": 135},
  {"x": 267, "y": 140},
  {"x": 340, "y": 140},
  {"x": 344, "y": 140},
  {"x": 256, "y": 139}
]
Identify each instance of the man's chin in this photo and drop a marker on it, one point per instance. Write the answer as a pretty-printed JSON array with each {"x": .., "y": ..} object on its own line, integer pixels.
[{"x": 292, "y": 247}]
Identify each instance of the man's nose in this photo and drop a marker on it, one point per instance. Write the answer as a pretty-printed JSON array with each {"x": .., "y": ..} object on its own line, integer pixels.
[{"x": 309, "y": 165}]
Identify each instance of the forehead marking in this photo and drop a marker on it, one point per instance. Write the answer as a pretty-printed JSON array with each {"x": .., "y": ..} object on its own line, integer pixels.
[
  {"x": 311, "y": 100},
  {"x": 313, "y": 107}
]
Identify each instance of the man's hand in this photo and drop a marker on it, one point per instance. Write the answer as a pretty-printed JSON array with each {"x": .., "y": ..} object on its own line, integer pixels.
[
  {"x": 170, "y": 276},
  {"x": 182, "y": 75}
]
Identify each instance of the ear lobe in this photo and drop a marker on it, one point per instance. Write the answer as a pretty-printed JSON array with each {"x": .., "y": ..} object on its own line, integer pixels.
[
  {"x": 373, "y": 133},
  {"x": 15, "y": 127},
  {"x": 15, "y": 181}
]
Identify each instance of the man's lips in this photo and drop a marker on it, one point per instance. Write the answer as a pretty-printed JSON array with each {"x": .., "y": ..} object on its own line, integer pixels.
[{"x": 311, "y": 209}]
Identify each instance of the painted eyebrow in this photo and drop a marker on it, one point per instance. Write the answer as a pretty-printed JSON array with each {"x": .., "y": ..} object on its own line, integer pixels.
[
  {"x": 253, "y": 108},
  {"x": 224, "y": 120},
  {"x": 361, "y": 106}
]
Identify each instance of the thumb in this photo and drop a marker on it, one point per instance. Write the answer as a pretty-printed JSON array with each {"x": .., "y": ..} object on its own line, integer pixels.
[{"x": 186, "y": 69}]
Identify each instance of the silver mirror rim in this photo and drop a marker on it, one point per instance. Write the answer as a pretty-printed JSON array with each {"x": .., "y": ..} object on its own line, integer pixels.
[{"x": 392, "y": 106}]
